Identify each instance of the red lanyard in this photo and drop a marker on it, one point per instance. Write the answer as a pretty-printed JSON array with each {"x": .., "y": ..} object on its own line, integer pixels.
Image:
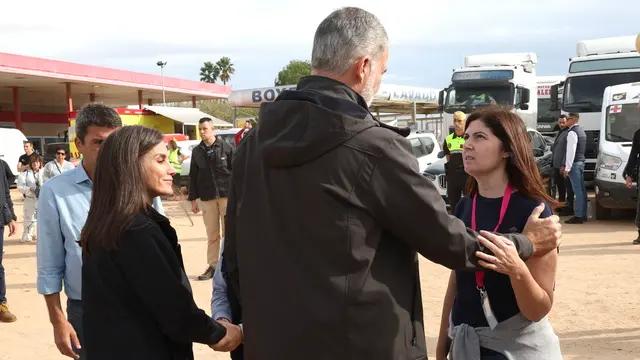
[{"x": 503, "y": 211}]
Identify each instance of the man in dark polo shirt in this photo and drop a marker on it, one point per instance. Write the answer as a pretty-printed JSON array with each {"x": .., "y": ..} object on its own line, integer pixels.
[{"x": 23, "y": 161}]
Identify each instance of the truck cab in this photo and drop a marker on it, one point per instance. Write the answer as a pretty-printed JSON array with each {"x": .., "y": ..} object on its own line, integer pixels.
[
  {"x": 548, "y": 116},
  {"x": 599, "y": 63},
  {"x": 507, "y": 80},
  {"x": 619, "y": 120}
]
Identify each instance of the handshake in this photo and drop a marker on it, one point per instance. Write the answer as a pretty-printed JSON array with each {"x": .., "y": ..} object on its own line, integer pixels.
[{"x": 231, "y": 340}]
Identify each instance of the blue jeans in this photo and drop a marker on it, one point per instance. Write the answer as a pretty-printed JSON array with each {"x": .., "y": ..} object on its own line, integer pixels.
[
  {"x": 3, "y": 283},
  {"x": 74, "y": 315},
  {"x": 576, "y": 175}
]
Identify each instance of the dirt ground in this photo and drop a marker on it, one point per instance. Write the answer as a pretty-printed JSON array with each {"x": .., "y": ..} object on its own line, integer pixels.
[{"x": 596, "y": 312}]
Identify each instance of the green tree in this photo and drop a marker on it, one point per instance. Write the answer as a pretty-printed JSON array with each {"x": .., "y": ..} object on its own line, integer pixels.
[
  {"x": 290, "y": 74},
  {"x": 209, "y": 72},
  {"x": 226, "y": 69}
]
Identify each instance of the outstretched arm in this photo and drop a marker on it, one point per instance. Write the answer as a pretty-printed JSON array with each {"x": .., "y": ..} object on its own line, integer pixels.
[{"x": 397, "y": 193}]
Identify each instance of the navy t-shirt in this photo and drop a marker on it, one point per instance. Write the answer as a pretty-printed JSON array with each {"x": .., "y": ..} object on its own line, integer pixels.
[{"x": 467, "y": 307}]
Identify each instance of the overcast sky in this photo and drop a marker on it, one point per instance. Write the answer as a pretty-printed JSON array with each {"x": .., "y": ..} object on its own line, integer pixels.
[{"x": 428, "y": 38}]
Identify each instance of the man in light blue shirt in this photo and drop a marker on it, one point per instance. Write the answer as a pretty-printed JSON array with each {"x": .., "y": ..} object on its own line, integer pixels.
[
  {"x": 63, "y": 207},
  {"x": 221, "y": 307}
]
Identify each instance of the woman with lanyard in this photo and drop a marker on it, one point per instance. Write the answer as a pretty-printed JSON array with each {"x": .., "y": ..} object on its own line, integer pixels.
[
  {"x": 500, "y": 310},
  {"x": 58, "y": 165}
]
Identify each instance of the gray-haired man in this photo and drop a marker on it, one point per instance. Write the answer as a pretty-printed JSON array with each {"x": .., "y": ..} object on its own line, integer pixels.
[{"x": 330, "y": 202}]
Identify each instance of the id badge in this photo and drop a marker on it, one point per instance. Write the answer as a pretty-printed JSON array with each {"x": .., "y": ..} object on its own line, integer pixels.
[{"x": 486, "y": 308}]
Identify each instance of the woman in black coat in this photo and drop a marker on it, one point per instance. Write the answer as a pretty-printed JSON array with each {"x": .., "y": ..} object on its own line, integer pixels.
[{"x": 137, "y": 300}]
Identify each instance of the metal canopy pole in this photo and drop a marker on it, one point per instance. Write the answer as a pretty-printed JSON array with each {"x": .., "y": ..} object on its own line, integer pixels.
[{"x": 413, "y": 115}]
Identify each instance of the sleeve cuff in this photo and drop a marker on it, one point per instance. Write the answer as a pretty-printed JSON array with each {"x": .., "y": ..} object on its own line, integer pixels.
[
  {"x": 221, "y": 313},
  {"x": 49, "y": 285}
]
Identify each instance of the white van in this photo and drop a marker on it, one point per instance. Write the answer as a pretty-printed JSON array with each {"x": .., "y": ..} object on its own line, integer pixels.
[
  {"x": 11, "y": 147},
  {"x": 619, "y": 121}
]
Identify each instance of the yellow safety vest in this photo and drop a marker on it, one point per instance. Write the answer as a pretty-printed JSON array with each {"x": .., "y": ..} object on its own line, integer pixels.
[
  {"x": 175, "y": 161},
  {"x": 454, "y": 143}
]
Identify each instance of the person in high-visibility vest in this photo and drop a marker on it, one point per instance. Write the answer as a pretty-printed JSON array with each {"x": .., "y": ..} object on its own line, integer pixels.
[
  {"x": 454, "y": 168},
  {"x": 175, "y": 159}
]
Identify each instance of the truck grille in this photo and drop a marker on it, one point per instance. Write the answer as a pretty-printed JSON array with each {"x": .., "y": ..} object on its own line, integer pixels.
[{"x": 442, "y": 181}]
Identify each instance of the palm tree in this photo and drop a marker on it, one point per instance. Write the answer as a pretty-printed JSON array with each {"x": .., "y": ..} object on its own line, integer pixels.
[
  {"x": 226, "y": 69},
  {"x": 209, "y": 72}
]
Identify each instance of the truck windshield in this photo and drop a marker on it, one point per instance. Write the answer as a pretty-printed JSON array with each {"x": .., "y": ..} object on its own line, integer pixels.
[
  {"x": 546, "y": 115},
  {"x": 470, "y": 98},
  {"x": 622, "y": 122},
  {"x": 584, "y": 93}
]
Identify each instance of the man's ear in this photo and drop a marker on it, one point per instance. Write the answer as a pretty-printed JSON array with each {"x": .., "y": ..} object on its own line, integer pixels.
[
  {"x": 78, "y": 144},
  {"x": 363, "y": 67}
]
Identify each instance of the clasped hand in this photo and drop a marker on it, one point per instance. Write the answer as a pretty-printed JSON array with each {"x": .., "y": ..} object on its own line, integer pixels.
[{"x": 231, "y": 340}]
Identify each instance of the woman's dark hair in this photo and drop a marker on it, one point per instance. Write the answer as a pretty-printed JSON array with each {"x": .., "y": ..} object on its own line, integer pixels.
[
  {"x": 521, "y": 165},
  {"x": 119, "y": 187}
]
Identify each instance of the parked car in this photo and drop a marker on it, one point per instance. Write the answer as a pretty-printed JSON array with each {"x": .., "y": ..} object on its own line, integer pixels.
[
  {"x": 541, "y": 151},
  {"x": 425, "y": 147},
  {"x": 228, "y": 135}
]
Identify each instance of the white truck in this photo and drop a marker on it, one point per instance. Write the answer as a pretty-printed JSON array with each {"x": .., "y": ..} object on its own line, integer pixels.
[
  {"x": 619, "y": 120},
  {"x": 599, "y": 63},
  {"x": 504, "y": 79},
  {"x": 547, "y": 116}
]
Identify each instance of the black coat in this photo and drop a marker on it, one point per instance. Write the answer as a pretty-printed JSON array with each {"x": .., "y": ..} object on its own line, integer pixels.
[
  {"x": 137, "y": 301},
  {"x": 6, "y": 169},
  {"x": 326, "y": 212},
  {"x": 6, "y": 204},
  {"x": 210, "y": 171}
]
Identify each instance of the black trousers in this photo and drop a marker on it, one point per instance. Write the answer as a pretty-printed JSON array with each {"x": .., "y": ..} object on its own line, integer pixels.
[
  {"x": 456, "y": 182},
  {"x": 561, "y": 185}
]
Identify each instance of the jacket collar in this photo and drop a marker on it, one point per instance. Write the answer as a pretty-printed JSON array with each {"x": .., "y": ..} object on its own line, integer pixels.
[
  {"x": 332, "y": 87},
  {"x": 341, "y": 90}
]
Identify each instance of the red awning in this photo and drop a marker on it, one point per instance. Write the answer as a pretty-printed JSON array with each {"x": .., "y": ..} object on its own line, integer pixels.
[{"x": 176, "y": 137}]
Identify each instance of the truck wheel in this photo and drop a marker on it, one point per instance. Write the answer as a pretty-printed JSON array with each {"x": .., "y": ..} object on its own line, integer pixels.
[{"x": 602, "y": 213}]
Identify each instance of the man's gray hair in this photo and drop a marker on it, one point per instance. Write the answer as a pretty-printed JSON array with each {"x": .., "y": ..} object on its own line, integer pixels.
[
  {"x": 96, "y": 114},
  {"x": 345, "y": 36}
]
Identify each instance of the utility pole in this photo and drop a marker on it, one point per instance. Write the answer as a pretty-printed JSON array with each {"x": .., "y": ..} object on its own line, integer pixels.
[{"x": 162, "y": 65}]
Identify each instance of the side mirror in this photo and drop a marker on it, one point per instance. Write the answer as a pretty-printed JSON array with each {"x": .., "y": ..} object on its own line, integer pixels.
[
  {"x": 441, "y": 154},
  {"x": 441, "y": 101},
  {"x": 524, "y": 106},
  {"x": 525, "y": 97}
]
